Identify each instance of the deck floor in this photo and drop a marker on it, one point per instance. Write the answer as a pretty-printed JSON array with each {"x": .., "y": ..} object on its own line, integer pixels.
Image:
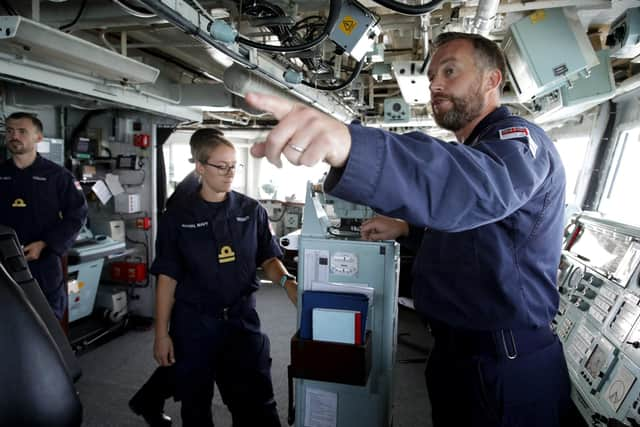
[{"x": 113, "y": 371}]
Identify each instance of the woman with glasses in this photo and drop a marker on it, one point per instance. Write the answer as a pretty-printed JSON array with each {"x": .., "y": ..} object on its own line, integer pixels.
[{"x": 208, "y": 250}]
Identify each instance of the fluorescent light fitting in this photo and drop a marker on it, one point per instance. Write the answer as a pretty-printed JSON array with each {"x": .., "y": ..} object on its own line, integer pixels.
[{"x": 70, "y": 52}]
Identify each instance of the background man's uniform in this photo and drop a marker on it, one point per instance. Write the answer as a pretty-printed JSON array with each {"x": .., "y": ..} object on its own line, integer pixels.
[{"x": 43, "y": 202}]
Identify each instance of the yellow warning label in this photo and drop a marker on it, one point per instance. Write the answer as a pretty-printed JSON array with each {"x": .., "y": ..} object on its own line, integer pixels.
[
  {"x": 226, "y": 255},
  {"x": 537, "y": 16},
  {"x": 19, "y": 203},
  {"x": 348, "y": 24}
]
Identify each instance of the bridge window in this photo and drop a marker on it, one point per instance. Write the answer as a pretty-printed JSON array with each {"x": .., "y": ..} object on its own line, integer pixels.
[
  {"x": 288, "y": 183},
  {"x": 572, "y": 152},
  {"x": 620, "y": 200}
]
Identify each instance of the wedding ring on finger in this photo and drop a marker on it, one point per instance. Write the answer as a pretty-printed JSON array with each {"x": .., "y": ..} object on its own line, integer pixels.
[{"x": 296, "y": 148}]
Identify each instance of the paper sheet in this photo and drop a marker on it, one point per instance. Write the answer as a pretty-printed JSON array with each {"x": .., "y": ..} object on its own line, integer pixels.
[
  {"x": 316, "y": 267},
  {"x": 101, "y": 191},
  {"x": 356, "y": 288},
  {"x": 113, "y": 182},
  {"x": 321, "y": 408}
]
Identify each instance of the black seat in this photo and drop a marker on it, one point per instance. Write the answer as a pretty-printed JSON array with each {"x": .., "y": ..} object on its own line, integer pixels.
[{"x": 37, "y": 377}]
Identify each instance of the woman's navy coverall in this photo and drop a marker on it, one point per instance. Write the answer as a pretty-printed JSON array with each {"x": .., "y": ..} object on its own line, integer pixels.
[{"x": 213, "y": 250}]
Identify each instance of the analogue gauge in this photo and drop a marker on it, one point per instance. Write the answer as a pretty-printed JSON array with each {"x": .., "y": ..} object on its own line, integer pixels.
[
  {"x": 575, "y": 278},
  {"x": 563, "y": 271}
]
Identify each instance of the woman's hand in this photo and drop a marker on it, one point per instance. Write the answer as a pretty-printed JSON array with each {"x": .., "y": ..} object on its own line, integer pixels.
[
  {"x": 291, "y": 286},
  {"x": 163, "y": 351}
]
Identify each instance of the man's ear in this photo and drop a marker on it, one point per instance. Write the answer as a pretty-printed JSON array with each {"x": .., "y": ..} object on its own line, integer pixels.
[{"x": 493, "y": 79}]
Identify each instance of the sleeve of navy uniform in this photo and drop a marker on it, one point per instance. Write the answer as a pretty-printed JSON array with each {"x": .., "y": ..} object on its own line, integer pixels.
[
  {"x": 73, "y": 213},
  {"x": 168, "y": 258},
  {"x": 267, "y": 245},
  {"x": 461, "y": 187}
]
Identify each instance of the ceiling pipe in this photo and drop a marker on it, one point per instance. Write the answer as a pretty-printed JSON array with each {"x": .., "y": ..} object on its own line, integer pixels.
[
  {"x": 261, "y": 73},
  {"x": 240, "y": 81},
  {"x": 522, "y": 6},
  {"x": 485, "y": 17},
  {"x": 628, "y": 85}
]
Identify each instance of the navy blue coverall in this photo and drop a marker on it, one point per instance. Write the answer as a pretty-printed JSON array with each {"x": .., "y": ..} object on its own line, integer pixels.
[
  {"x": 43, "y": 202},
  {"x": 184, "y": 189},
  {"x": 212, "y": 250},
  {"x": 484, "y": 275}
]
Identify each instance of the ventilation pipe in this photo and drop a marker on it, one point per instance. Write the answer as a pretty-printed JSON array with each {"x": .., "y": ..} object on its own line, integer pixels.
[
  {"x": 240, "y": 81},
  {"x": 262, "y": 74},
  {"x": 485, "y": 17}
]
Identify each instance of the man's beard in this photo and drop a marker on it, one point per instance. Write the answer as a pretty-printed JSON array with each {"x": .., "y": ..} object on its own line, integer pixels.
[
  {"x": 16, "y": 147},
  {"x": 464, "y": 111}
]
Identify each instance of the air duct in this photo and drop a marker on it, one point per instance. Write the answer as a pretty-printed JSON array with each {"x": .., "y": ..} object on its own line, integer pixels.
[
  {"x": 485, "y": 17},
  {"x": 240, "y": 81},
  {"x": 38, "y": 41}
]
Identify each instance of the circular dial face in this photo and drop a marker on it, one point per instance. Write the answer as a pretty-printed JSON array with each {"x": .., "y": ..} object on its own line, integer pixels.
[
  {"x": 576, "y": 276},
  {"x": 563, "y": 270}
]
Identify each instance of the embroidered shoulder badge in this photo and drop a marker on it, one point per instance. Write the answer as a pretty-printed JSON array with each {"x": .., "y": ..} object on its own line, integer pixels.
[{"x": 519, "y": 132}]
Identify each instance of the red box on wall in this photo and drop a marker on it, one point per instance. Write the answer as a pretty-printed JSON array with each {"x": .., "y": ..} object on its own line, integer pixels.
[
  {"x": 141, "y": 140},
  {"x": 129, "y": 272},
  {"x": 143, "y": 223}
]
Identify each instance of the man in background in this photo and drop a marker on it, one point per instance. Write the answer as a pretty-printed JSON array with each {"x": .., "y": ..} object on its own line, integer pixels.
[{"x": 43, "y": 203}]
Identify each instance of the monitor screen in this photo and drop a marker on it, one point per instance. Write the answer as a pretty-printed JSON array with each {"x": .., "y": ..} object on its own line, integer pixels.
[{"x": 85, "y": 148}]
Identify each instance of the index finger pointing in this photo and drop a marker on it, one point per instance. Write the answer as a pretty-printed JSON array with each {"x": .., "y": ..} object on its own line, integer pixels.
[{"x": 275, "y": 105}]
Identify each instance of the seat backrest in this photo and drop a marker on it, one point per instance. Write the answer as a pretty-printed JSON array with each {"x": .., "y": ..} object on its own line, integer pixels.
[
  {"x": 12, "y": 258},
  {"x": 38, "y": 390}
]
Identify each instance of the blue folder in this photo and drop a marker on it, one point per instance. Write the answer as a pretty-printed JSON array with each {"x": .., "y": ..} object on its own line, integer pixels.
[{"x": 337, "y": 300}]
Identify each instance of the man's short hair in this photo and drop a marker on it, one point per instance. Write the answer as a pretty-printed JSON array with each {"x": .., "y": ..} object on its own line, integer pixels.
[
  {"x": 18, "y": 115},
  {"x": 489, "y": 56},
  {"x": 205, "y": 140}
]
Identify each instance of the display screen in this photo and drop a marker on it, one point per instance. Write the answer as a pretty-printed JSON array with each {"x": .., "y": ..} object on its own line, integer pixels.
[
  {"x": 596, "y": 362},
  {"x": 603, "y": 249},
  {"x": 83, "y": 145},
  {"x": 84, "y": 148}
]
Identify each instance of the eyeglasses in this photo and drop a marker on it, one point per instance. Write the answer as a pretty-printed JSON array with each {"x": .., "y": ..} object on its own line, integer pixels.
[{"x": 225, "y": 169}]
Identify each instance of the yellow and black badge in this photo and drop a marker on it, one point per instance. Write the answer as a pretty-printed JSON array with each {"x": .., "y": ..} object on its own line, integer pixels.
[
  {"x": 537, "y": 16},
  {"x": 19, "y": 203},
  {"x": 348, "y": 24},
  {"x": 226, "y": 255}
]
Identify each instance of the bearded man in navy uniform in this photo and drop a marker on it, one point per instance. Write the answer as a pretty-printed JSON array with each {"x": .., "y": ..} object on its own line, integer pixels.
[{"x": 486, "y": 214}]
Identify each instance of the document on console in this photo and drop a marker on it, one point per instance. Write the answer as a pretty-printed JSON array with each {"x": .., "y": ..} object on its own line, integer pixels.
[{"x": 321, "y": 408}]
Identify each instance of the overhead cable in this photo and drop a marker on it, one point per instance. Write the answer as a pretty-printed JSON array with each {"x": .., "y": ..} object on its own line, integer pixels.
[
  {"x": 75, "y": 20},
  {"x": 334, "y": 12},
  {"x": 407, "y": 9},
  {"x": 342, "y": 85},
  {"x": 138, "y": 12}
]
